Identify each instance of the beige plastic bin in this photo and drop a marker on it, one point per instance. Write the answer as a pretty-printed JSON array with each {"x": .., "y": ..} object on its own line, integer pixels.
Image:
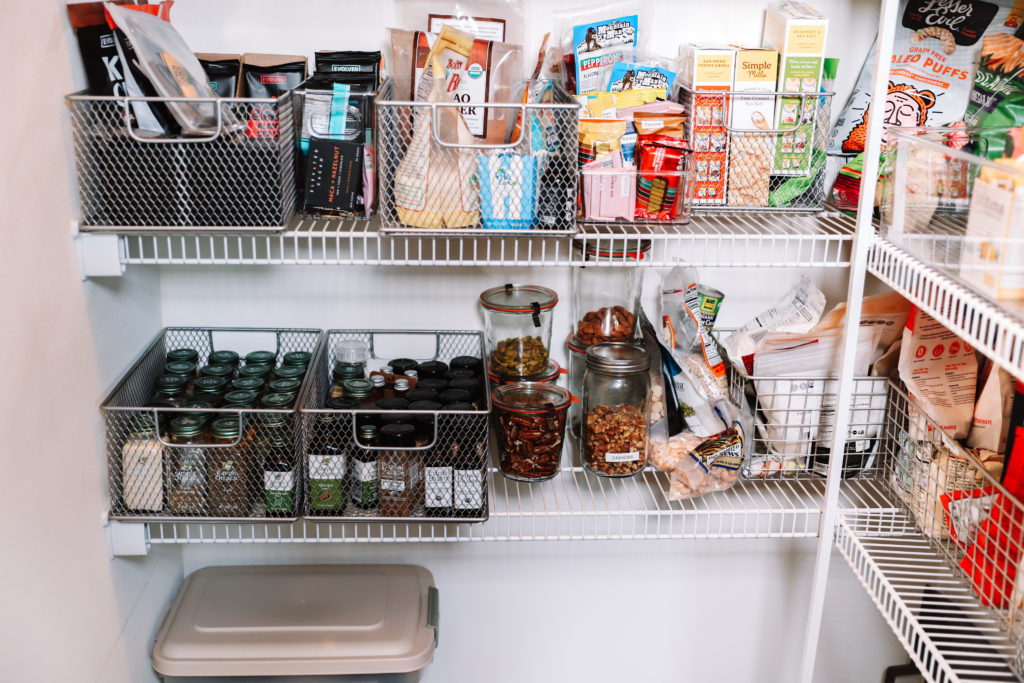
[{"x": 355, "y": 623}]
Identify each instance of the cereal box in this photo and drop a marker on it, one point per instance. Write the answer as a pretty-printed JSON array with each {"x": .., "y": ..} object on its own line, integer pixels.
[
  {"x": 750, "y": 153},
  {"x": 798, "y": 32},
  {"x": 706, "y": 70}
]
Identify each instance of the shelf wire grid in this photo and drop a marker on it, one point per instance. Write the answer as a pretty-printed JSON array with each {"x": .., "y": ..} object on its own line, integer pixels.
[{"x": 740, "y": 240}]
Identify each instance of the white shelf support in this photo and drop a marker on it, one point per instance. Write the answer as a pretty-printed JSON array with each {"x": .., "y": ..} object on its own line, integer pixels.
[
  {"x": 99, "y": 255},
  {"x": 862, "y": 241},
  {"x": 127, "y": 539}
]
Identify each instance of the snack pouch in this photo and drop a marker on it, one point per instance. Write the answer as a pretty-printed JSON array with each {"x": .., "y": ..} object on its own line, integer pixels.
[
  {"x": 937, "y": 45},
  {"x": 625, "y": 76},
  {"x": 597, "y": 46}
]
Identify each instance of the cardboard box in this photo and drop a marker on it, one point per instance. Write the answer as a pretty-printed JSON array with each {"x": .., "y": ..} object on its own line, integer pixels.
[
  {"x": 992, "y": 258},
  {"x": 706, "y": 70},
  {"x": 798, "y": 32},
  {"x": 751, "y": 154}
]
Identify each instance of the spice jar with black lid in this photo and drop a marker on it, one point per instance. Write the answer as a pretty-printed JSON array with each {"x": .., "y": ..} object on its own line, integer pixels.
[
  {"x": 424, "y": 423},
  {"x": 518, "y": 321},
  {"x": 399, "y": 471},
  {"x": 616, "y": 391},
  {"x": 454, "y": 396},
  {"x": 469, "y": 385},
  {"x": 400, "y": 366},
  {"x": 432, "y": 369},
  {"x": 224, "y": 357},
  {"x": 437, "y": 385},
  {"x": 228, "y": 470},
  {"x": 461, "y": 373},
  {"x": 472, "y": 363},
  {"x": 419, "y": 394},
  {"x": 186, "y": 473}
]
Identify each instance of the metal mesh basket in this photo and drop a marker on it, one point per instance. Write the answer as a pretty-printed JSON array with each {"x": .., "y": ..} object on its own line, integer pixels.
[
  {"x": 793, "y": 422},
  {"x": 241, "y": 177},
  {"x": 957, "y": 501},
  {"x": 757, "y": 151},
  {"x": 151, "y": 479},
  {"x": 432, "y": 183},
  {"x": 443, "y": 478}
]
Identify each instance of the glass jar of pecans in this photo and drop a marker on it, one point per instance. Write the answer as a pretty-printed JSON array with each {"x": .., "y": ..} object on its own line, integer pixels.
[
  {"x": 530, "y": 419},
  {"x": 616, "y": 389}
]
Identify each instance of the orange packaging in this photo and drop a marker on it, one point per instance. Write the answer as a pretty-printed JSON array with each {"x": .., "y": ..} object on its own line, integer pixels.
[{"x": 704, "y": 71}]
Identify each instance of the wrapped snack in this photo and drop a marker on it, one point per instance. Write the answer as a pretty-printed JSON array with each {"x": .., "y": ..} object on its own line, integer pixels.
[
  {"x": 508, "y": 190},
  {"x": 607, "y": 191},
  {"x": 714, "y": 465},
  {"x": 661, "y": 157},
  {"x": 599, "y": 137}
]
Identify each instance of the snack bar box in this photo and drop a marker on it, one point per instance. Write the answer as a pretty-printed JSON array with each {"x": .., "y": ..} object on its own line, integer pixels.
[
  {"x": 705, "y": 70},
  {"x": 357, "y": 624}
]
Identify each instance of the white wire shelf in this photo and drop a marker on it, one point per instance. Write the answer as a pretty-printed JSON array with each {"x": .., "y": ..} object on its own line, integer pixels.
[
  {"x": 741, "y": 240},
  {"x": 935, "y": 615},
  {"x": 997, "y": 331},
  {"x": 574, "y": 505}
]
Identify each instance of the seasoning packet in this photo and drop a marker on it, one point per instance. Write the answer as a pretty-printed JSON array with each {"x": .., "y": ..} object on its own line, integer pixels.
[{"x": 508, "y": 190}]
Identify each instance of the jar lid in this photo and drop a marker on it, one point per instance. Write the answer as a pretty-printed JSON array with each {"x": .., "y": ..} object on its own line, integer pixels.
[
  {"x": 623, "y": 250},
  {"x": 241, "y": 396},
  {"x": 367, "y": 432},
  {"x": 432, "y": 368},
  {"x": 225, "y": 427},
  {"x": 531, "y": 397},
  {"x": 518, "y": 298},
  {"x": 223, "y": 358},
  {"x": 424, "y": 405},
  {"x": 617, "y": 358},
  {"x": 462, "y": 373},
  {"x": 399, "y": 366},
  {"x": 217, "y": 371},
  {"x": 432, "y": 383},
  {"x": 550, "y": 374},
  {"x": 344, "y": 370},
  {"x": 418, "y": 394},
  {"x": 455, "y": 396},
  {"x": 462, "y": 407},
  {"x": 187, "y": 426},
  {"x": 260, "y": 358},
  {"x": 260, "y": 371},
  {"x": 253, "y": 384},
  {"x": 297, "y": 358},
  {"x": 143, "y": 424},
  {"x": 467, "y": 363},
  {"x": 180, "y": 367},
  {"x": 392, "y": 403},
  {"x": 277, "y": 401},
  {"x": 575, "y": 345},
  {"x": 197, "y": 404},
  {"x": 357, "y": 388},
  {"x": 351, "y": 351},
  {"x": 183, "y": 354},
  {"x": 284, "y": 386},
  {"x": 378, "y": 381},
  {"x": 210, "y": 385},
  {"x": 342, "y": 403},
  {"x": 171, "y": 382},
  {"x": 290, "y": 371},
  {"x": 466, "y": 384},
  {"x": 398, "y": 435}
]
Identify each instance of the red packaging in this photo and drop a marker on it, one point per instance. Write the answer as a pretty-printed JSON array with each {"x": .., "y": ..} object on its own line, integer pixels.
[
  {"x": 161, "y": 11},
  {"x": 657, "y": 194},
  {"x": 991, "y": 562}
]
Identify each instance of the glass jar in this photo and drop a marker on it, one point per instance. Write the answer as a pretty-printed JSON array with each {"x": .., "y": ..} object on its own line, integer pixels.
[
  {"x": 518, "y": 320},
  {"x": 418, "y": 394},
  {"x": 300, "y": 358},
  {"x": 260, "y": 372},
  {"x": 201, "y": 408},
  {"x": 277, "y": 401},
  {"x": 363, "y": 479},
  {"x": 248, "y": 384},
  {"x": 171, "y": 391},
  {"x": 550, "y": 375},
  {"x": 268, "y": 358},
  {"x": 186, "y": 471},
  {"x": 471, "y": 363},
  {"x": 285, "y": 386},
  {"x": 470, "y": 385},
  {"x": 380, "y": 388},
  {"x": 223, "y": 358},
  {"x": 327, "y": 467},
  {"x": 454, "y": 396},
  {"x": 432, "y": 369},
  {"x": 577, "y": 368},
  {"x": 228, "y": 469},
  {"x": 210, "y": 389},
  {"x": 400, "y": 366},
  {"x": 142, "y": 468},
  {"x": 399, "y": 471},
  {"x": 185, "y": 355},
  {"x": 181, "y": 367},
  {"x": 616, "y": 390},
  {"x": 240, "y": 399},
  {"x": 424, "y": 422},
  {"x": 437, "y": 385},
  {"x": 273, "y": 453},
  {"x": 606, "y": 299},
  {"x": 350, "y": 356},
  {"x": 290, "y": 372},
  {"x": 225, "y": 372},
  {"x": 359, "y": 389},
  {"x": 530, "y": 419}
]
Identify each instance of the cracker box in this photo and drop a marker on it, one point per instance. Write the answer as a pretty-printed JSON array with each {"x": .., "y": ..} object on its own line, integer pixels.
[
  {"x": 798, "y": 32},
  {"x": 706, "y": 70},
  {"x": 750, "y": 148}
]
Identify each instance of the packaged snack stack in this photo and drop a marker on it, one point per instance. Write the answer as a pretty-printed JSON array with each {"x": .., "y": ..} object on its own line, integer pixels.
[{"x": 706, "y": 70}]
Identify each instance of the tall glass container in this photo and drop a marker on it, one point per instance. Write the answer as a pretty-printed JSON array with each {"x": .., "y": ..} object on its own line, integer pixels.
[
  {"x": 616, "y": 391},
  {"x": 606, "y": 296}
]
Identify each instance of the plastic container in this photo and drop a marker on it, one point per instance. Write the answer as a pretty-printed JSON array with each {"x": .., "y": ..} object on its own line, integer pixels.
[
  {"x": 616, "y": 393},
  {"x": 530, "y": 420},
  {"x": 605, "y": 300},
  {"x": 358, "y": 624},
  {"x": 518, "y": 328}
]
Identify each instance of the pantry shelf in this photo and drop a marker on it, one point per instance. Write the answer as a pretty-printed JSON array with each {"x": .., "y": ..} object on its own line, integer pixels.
[
  {"x": 994, "y": 330},
  {"x": 742, "y": 240},
  {"x": 935, "y": 614},
  {"x": 574, "y": 505}
]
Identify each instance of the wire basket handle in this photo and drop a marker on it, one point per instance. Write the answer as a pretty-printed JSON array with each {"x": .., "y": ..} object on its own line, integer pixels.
[{"x": 165, "y": 140}]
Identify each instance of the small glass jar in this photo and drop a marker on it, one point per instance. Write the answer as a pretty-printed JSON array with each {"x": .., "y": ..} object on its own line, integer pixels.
[
  {"x": 171, "y": 391},
  {"x": 210, "y": 389},
  {"x": 606, "y": 299},
  {"x": 350, "y": 356},
  {"x": 616, "y": 391},
  {"x": 181, "y": 367},
  {"x": 300, "y": 358},
  {"x": 380, "y": 388},
  {"x": 277, "y": 401},
  {"x": 247, "y": 384},
  {"x": 518, "y": 320},
  {"x": 223, "y": 371},
  {"x": 530, "y": 420},
  {"x": 184, "y": 355},
  {"x": 437, "y": 385},
  {"x": 577, "y": 368},
  {"x": 223, "y": 358},
  {"x": 240, "y": 399},
  {"x": 228, "y": 469},
  {"x": 432, "y": 369},
  {"x": 290, "y": 372},
  {"x": 424, "y": 422},
  {"x": 359, "y": 389},
  {"x": 469, "y": 385},
  {"x": 142, "y": 468},
  {"x": 418, "y": 394},
  {"x": 400, "y": 471},
  {"x": 186, "y": 466},
  {"x": 363, "y": 490},
  {"x": 260, "y": 372},
  {"x": 261, "y": 358},
  {"x": 201, "y": 407},
  {"x": 285, "y": 386},
  {"x": 454, "y": 396}
]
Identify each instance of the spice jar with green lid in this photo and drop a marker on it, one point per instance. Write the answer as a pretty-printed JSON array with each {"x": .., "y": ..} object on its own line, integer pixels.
[
  {"x": 228, "y": 470},
  {"x": 360, "y": 389},
  {"x": 223, "y": 371},
  {"x": 518, "y": 321},
  {"x": 183, "y": 355},
  {"x": 240, "y": 399},
  {"x": 326, "y": 463},
  {"x": 180, "y": 367},
  {"x": 285, "y": 386},
  {"x": 261, "y": 358},
  {"x": 296, "y": 358},
  {"x": 363, "y": 478},
  {"x": 290, "y": 372},
  {"x": 200, "y": 406},
  {"x": 210, "y": 389},
  {"x": 224, "y": 357},
  {"x": 260, "y": 372},
  {"x": 254, "y": 384},
  {"x": 170, "y": 391},
  {"x": 277, "y": 401},
  {"x": 186, "y": 475},
  {"x": 142, "y": 467}
]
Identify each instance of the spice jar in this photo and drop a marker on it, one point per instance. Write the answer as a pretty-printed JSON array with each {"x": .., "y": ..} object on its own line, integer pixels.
[
  {"x": 471, "y": 363},
  {"x": 181, "y": 367},
  {"x": 363, "y": 479},
  {"x": 300, "y": 358},
  {"x": 577, "y": 368},
  {"x": 432, "y": 369},
  {"x": 183, "y": 355},
  {"x": 273, "y": 453},
  {"x": 142, "y": 468},
  {"x": 240, "y": 399},
  {"x": 186, "y": 473},
  {"x": 268, "y": 358},
  {"x": 223, "y": 358},
  {"x": 400, "y": 366},
  {"x": 359, "y": 389},
  {"x": 277, "y": 401},
  {"x": 210, "y": 389},
  {"x": 399, "y": 470},
  {"x": 606, "y": 299},
  {"x": 518, "y": 320},
  {"x": 326, "y": 462},
  {"x": 170, "y": 391},
  {"x": 228, "y": 469},
  {"x": 248, "y": 384},
  {"x": 285, "y": 386},
  {"x": 616, "y": 387},
  {"x": 290, "y": 372},
  {"x": 530, "y": 419}
]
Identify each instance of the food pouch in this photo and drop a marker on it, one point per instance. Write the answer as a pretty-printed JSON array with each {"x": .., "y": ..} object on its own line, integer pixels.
[
  {"x": 103, "y": 68},
  {"x": 991, "y": 421},
  {"x": 222, "y": 70},
  {"x": 626, "y": 76},
  {"x": 599, "y": 137},
  {"x": 508, "y": 190},
  {"x": 714, "y": 465}
]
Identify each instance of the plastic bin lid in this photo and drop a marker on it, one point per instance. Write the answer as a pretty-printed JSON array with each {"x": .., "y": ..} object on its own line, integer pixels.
[{"x": 299, "y": 620}]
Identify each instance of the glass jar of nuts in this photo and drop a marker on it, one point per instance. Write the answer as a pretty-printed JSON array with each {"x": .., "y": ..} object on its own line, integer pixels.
[
  {"x": 606, "y": 299},
  {"x": 530, "y": 420},
  {"x": 616, "y": 389},
  {"x": 518, "y": 321}
]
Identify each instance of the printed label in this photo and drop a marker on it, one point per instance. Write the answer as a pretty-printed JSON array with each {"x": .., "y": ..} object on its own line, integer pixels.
[
  {"x": 364, "y": 482},
  {"x": 632, "y": 456},
  {"x": 966, "y": 20},
  {"x": 467, "y": 78},
  {"x": 597, "y": 47},
  {"x": 392, "y": 485},
  {"x": 364, "y": 471},
  {"x": 327, "y": 467},
  {"x": 469, "y": 489},
  {"x": 279, "y": 481},
  {"x": 439, "y": 487}
]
